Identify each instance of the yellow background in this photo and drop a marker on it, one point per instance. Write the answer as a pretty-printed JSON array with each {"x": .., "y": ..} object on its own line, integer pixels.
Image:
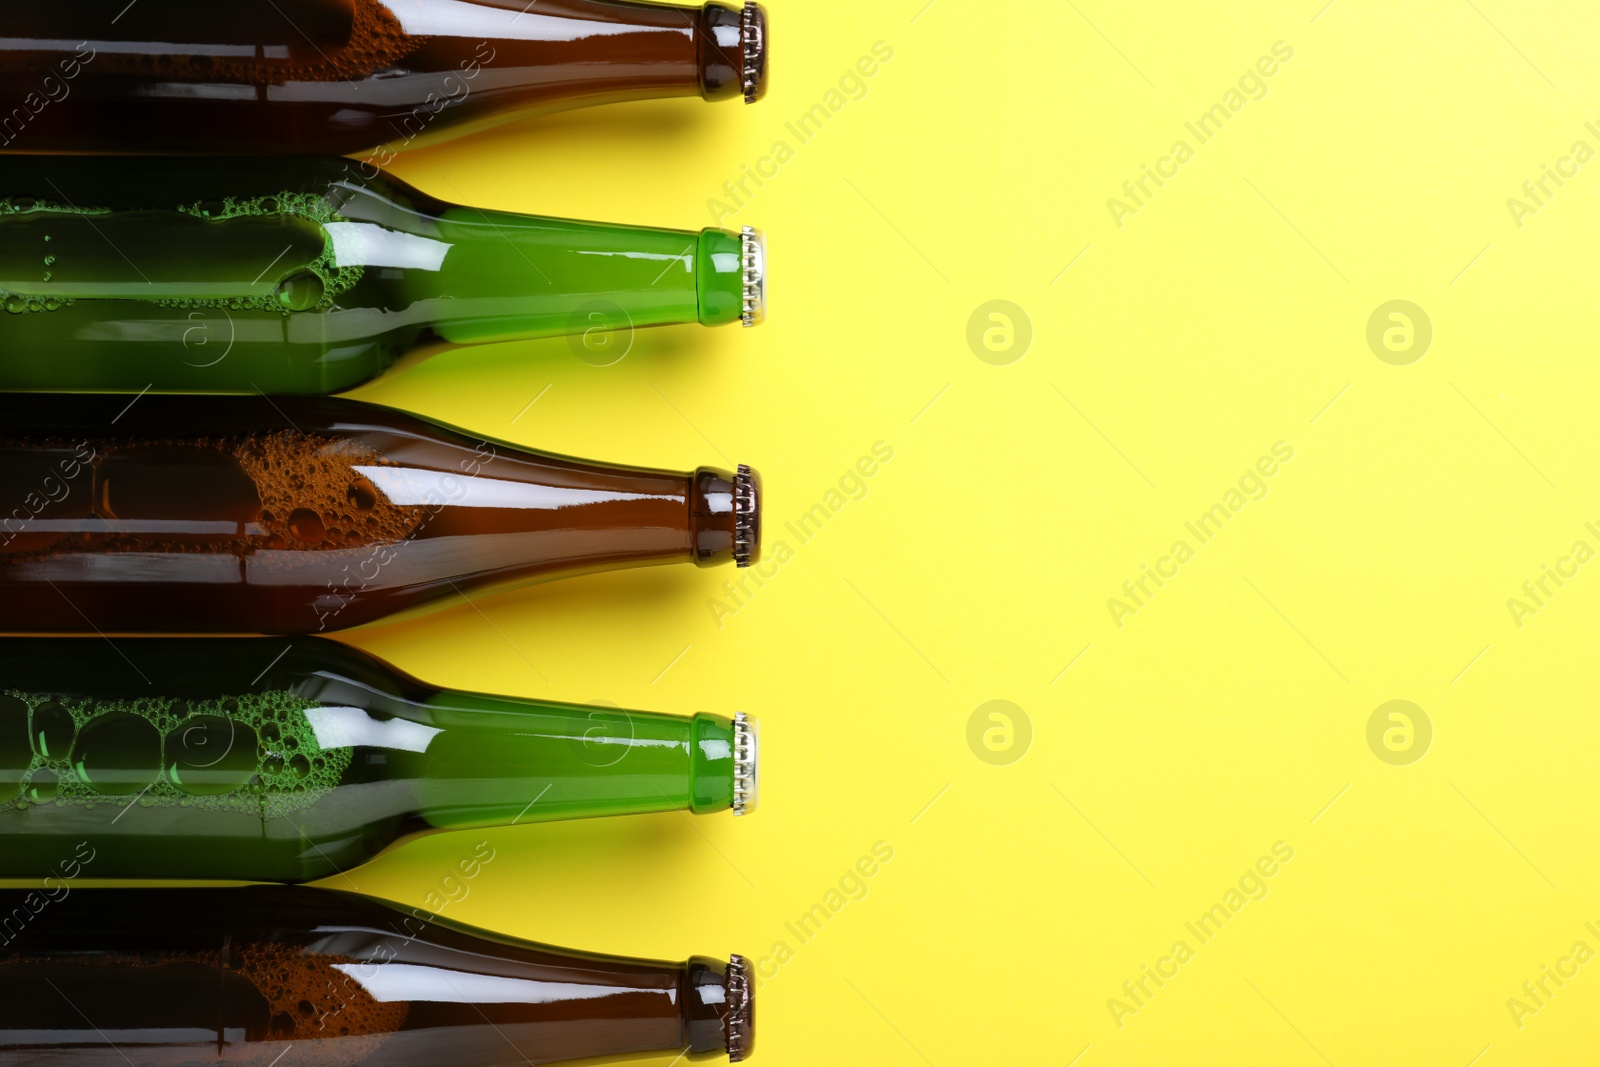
[
  {"x": 1225, "y": 715},
  {"x": 1230, "y": 711}
]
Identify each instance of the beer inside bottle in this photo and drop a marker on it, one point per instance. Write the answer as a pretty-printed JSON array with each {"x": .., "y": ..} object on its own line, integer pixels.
[
  {"x": 288, "y": 77},
  {"x": 235, "y": 514},
  {"x": 313, "y": 275},
  {"x": 261, "y": 974},
  {"x": 290, "y": 760}
]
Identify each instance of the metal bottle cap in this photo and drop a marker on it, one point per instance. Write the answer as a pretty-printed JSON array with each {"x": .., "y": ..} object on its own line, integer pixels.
[
  {"x": 741, "y": 1017},
  {"x": 746, "y": 764},
  {"x": 753, "y": 257},
  {"x": 753, "y": 48},
  {"x": 746, "y": 516}
]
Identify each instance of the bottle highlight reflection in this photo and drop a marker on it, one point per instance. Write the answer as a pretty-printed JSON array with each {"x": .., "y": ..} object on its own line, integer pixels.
[
  {"x": 270, "y": 760},
  {"x": 174, "y": 977},
  {"x": 312, "y": 275},
  {"x": 290, "y": 77},
  {"x": 175, "y": 514}
]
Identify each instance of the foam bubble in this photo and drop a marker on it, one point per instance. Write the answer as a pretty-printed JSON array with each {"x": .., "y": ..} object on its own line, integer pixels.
[{"x": 255, "y": 753}]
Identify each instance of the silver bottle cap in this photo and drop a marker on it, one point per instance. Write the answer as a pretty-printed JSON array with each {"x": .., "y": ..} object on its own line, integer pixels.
[
  {"x": 753, "y": 51},
  {"x": 740, "y": 1022},
  {"x": 753, "y": 255},
  {"x": 746, "y": 764},
  {"x": 746, "y": 516}
]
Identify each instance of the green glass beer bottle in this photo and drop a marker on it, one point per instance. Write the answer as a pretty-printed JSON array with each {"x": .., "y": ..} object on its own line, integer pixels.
[
  {"x": 248, "y": 514},
  {"x": 266, "y": 975},
  {"x": 312, "y": 275},
  {"x": 290, "y": 760}
]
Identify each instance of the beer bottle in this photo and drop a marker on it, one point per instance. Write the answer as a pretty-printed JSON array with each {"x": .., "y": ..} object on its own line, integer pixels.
[
  {"x": 291, "y": 77},
  {"x": 249, "y": 514},
  {"x": 263, "y": 759},
  {"x": 243, "y": 974},
  {"x": 313, "y": 275}
]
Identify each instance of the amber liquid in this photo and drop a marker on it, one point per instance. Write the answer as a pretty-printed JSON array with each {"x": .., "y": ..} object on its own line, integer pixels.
[
  {"x": 246, "y": 514},
  {"x": 271, "y": 77},
  {"x": 172, "y": 977}
]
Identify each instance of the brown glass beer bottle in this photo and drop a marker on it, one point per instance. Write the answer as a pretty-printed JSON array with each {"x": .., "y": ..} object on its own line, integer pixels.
[
  {"x": 244, "y": 975},
  {"x": 249, "y": 514},
  {"x": 288, "y": 77}
]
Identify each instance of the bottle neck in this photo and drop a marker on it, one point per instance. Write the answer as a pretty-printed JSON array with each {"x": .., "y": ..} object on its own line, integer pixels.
[
  {"x": 498, "y": 761},
  {"x": 589, "y": 51},
  {"x": 513, "y": 517},
  {"x": 172, "y": 969},
  {"x": 564, "y": 1004},
  {"x": 508, "y": 276},
  {"x": 269, "y": 77},
  {"x": 527, "y": 515}
]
